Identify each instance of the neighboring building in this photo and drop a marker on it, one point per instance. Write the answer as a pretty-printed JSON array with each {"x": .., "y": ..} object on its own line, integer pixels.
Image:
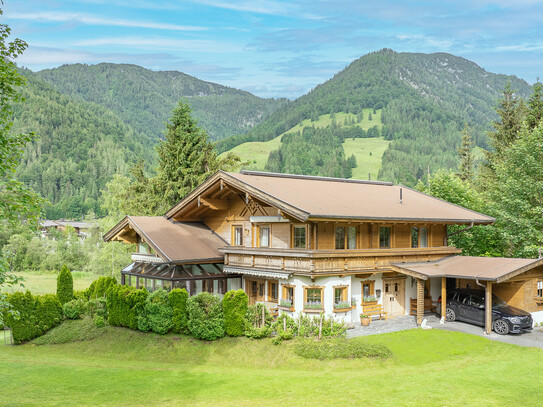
[
  {"x": 81, "y": 228},
  {"x": 314, "y": 244}
]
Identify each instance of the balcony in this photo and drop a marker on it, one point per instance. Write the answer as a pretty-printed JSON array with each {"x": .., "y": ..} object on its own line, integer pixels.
[
  {"x": 319, "y": 262},
  {"x": 146, "y": 258}
]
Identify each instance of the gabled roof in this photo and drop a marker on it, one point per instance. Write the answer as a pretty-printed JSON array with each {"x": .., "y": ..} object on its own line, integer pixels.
[
  {"x": 496, "y": 269},
  {"x": 308, "y": 197},
  {"x": 178, "y": 242}
]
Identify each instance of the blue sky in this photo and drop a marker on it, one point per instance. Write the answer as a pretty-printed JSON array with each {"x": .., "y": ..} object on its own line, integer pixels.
[{"x": 275, "y": 48}]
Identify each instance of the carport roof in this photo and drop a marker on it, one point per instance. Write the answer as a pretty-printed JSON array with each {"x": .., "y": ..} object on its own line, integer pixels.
[{"x": 496, "y": 269}]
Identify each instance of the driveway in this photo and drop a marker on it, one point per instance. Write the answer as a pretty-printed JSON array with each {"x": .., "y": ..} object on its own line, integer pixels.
[{"x": 531, "y": 339}]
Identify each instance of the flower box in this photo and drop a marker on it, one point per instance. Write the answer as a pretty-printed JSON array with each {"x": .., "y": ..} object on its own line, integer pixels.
[
  {"x": 285, "y": 308},
  {"x": 313, "y": 310}
]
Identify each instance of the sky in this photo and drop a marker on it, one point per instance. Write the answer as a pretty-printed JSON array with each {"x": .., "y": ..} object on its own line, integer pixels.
[{"x": 274, "y": 48}]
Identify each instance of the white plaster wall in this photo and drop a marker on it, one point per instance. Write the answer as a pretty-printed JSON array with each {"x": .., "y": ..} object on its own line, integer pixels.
[
  {"x": 410, "y": 292},
  {"x": 435, "y": 288}
]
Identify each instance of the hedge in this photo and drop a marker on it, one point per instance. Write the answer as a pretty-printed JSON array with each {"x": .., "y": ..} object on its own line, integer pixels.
[
  {"x": 234, "y": 305},
  {"x": 124, "y": 305},
  {"x": 65, "y": 285},
  {"x": 178, "y": 302},
  {"x": 35, "y": 315},
  {"x": 205, "y": 314},
  {"x": 157, "y": 313},
  {"x": 99, "y": 287},
  {"x": 74, "y": 309}
]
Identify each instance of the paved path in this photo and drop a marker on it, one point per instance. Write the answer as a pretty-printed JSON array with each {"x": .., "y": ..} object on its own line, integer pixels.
[{"x": 531, "y": 339}]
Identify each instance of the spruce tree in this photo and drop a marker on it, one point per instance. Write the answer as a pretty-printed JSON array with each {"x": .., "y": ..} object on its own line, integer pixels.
[
  {"x": 465, "y": 152},
  {"x": 65, "y": 285},
  {"x": 186, "y": 157},
  {"x": 535, "y": 106}
]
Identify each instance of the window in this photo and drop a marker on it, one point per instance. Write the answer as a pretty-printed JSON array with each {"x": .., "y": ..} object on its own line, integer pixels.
[
  {"x": 313, "y": 298},
  {"x": 299, "y": 237},
  {"x": 477, "y": 301},
  {"x": 340, "y": 237},
  {"x": 237, "y": 232},
  {"x": 288, "y": 296},
  {"x": 540, "y": 288},
  {"x": 346, "y": 237},
  {"x": 273, "y": 291},
  {"x": 368, "y": 291},
  {"x": 264, "y": 236},
  {"x": 143, "y": 248},
  {"x": 384, "y": 237},
  {"x": 340, "y": 295},
  {"x": 419, "y": 237}
]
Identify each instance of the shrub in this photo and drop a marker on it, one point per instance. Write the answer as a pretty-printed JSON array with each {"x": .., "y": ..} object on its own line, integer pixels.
[
  {"x": 178, "y": 302},
  {"x": 65, "y": 285},
  {"x": 157, "y": 313},
  {"x": 234, "y": 305},
  {"x": 33, "y": 315},
  {"x": 205, "y": 316},
  {"x": 118, "y": 306},
  {"x": 136, "y": 304},
  {"x": 99, "y": 321},
  {"x": 99, "y": 287},
  {"x": 346, "y": 349},
  {"x": 97, "y": 307},
  {"x": 74, "y": 309}
]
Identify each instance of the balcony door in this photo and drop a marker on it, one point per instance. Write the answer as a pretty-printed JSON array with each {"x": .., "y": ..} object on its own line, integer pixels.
[
  {"x": 394, "y": 296},
  {"x": 256, "y": 291}
]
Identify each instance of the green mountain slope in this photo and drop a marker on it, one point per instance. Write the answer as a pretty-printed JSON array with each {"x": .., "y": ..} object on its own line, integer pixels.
[
  {"x": 426, "y": 99},
  {"x": 144, "y": 99},
  {"x": 81, "y": 145}
]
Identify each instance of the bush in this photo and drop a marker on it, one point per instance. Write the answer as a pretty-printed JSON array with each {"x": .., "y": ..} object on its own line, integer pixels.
[
  {"x": 99, "y": 321},
  {"x": 34, "y": 315},
  {"x": 205, "y": 316},
  {"x": 65, "y": 285},
  {"x": 136, "y": 304},
  {"x": 234, "y": 305},
  {"x": 345, "y": 349},
  {"x": 97, "y": 307},
  {"x": 99, "y": 287},
  {"x": 118, "y": 306},
  {"x": 178, "y": 302},
  {"x": 74, "y": 309},
  {"x": 157, "y": 313}
]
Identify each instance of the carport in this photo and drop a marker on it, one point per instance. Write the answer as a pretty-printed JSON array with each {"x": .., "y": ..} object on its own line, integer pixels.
[{"x": 484, "y": 271}]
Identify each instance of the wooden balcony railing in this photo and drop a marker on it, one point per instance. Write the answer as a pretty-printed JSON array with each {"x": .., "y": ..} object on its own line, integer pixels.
[{"x": 312, "y": 262}]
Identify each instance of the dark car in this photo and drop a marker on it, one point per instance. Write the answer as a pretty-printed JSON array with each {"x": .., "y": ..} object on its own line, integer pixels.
[{"x": 469, "y": 306}]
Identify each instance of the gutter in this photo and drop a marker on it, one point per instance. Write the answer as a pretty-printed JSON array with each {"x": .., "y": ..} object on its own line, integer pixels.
[{"x": 445, "y": 240}]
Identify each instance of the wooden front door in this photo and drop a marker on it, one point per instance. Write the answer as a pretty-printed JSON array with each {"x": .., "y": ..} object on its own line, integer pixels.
[
  {"x": 256, "y": 290},
  {"x": 394, "y": 296}
]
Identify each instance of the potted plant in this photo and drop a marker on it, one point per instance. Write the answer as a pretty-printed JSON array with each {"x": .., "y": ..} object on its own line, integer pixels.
[
  {"x": 313, "y": 306},
  {"x": 365, "y": 319}
]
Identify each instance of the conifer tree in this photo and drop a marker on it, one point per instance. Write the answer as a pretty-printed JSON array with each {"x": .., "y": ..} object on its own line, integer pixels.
[
  {"x": 65, "y": 285},
  {"x": 465, "y": 152},
  {"x": 535, "y": 106}
]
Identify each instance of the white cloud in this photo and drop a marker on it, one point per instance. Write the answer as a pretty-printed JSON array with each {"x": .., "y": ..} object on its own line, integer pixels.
[{"x": 98, "y": 20}]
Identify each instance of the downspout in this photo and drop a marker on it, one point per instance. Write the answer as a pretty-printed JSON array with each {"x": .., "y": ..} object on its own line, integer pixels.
[
  {"x": 445, "y": 240},
  {"x": 478, "y": 283}
]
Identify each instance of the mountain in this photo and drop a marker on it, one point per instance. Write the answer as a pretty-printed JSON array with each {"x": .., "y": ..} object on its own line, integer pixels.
[
  {"x": 80, "y": 146},
  {"x": 144, "y": 99},
  {"x": 426, "y": 99}
]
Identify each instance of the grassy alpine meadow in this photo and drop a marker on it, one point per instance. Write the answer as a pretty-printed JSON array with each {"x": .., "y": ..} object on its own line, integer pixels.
[
  {"x": 79, "y": 364},
  {"x": 46, "y": 282},
  {"x": 369, "y": 154}
]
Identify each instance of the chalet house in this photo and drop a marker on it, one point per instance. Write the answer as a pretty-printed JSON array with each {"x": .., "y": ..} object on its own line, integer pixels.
[
  {"x": 309, "y": 244},
  {"x": 82, "y": 229}
]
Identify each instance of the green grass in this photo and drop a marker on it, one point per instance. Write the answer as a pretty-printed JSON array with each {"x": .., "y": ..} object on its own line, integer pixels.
[
  {"x": 256, "y": 153},
  {"x": 45, "y": 283},
  {"x": 126, "y": 368},
  {"x": 368, "y": 152}
]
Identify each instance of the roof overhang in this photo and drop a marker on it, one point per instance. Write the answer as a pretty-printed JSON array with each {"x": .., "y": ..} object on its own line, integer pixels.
[
  {"x": 487, "y": 268},
  {"x": 256, "y": 272},
  {"x": 224, "y": 179}
]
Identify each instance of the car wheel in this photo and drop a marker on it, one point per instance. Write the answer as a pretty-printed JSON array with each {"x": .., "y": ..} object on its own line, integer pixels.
[
  {"x": 501, "y": 327},
  {"x": 450, "y": 315}
]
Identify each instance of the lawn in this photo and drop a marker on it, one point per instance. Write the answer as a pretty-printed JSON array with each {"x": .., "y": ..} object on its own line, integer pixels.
[
  {"x": 125, "y": 368},
  {"x": 256, "y": 152},
  {"x": 369, "y": 154},
  {"x": 44, "y": 283}
]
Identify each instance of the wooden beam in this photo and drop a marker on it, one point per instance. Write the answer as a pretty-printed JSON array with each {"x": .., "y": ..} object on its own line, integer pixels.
[
  {"x": 420, "y": 300},
  {"x": 488, "y": 307},
  {"x": 443, "y": 296},
  {"x": 215, "y": 204}
]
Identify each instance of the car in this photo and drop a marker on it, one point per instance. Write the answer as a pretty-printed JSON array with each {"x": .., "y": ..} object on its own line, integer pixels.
[{"x": 469, "y": 306}]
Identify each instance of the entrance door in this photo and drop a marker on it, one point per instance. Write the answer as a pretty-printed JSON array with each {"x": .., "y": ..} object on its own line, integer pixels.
[
  {"x": 394, "y": 295},
  {"x": 255, "y": 289}
]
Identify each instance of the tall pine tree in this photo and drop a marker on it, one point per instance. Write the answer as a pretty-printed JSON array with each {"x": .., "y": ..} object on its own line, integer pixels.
[
  {"x": 465, "y": 152},
  {"x": 535, "y": 106}
]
